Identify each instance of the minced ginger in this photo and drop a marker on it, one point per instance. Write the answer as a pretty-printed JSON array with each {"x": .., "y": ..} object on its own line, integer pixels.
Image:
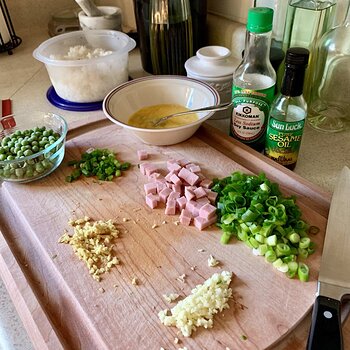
[{"x": 93, "y": 242}]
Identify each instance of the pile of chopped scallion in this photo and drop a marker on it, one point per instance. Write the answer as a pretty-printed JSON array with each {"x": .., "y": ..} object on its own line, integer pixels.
[
  {"x": 252, "y": 209},
  {"x": 101, "y": 163}
]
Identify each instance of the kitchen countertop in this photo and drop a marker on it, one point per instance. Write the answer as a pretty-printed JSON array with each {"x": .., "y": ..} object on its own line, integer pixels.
[{"x": 25, "y": 81}]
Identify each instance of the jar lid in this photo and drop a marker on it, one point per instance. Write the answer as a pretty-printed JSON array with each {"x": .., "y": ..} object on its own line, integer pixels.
[{"x": 211, "y": 62}]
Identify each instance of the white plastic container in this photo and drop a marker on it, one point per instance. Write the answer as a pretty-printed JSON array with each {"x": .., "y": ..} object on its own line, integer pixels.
[
  {"x": 86, "y": 80},
  {"x": 215, "y": 66}
]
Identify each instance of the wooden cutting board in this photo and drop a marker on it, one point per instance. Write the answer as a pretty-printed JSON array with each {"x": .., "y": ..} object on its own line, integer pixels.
[{"x": 114, "y": 313}]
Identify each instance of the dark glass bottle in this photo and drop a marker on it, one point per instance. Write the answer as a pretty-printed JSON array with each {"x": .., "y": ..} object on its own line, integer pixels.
[
  {"x": 288, "y": 111},
  {"x": 198, "y": 13}
]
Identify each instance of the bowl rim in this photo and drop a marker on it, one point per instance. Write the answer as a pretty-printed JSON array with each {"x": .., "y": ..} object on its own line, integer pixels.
[
  {"x": 108, "y": 97},
  {"x": 131, "y": 44},
  {"x": 45, "y": 150}
]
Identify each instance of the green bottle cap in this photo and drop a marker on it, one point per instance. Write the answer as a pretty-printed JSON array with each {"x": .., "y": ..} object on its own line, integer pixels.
[{"x": 260, "y": 19}]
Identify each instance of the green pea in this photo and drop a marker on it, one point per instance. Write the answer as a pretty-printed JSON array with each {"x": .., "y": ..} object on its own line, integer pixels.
[
  {"x": 18, "y": 133},
  {"x": 25, "y": 142},
  {"x": 35, "y": 148},
  {"x": 19, "y": 172},
  {"x": 2, "y": 150},
  {"x": 39, "y": 168},
  {"x": 27, "y": 152},
  {"x": 3, "y": 157},
  {"x": 10, "y": 158}
]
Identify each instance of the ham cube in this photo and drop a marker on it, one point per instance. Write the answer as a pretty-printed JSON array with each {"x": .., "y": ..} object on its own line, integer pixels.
[
  {"x": 173, "y": 166},
  {"x": 185, "y": 217},
  {"x": 202, "y": 201},
  {"x": 181, "y": 202},
  {"x": 175, "y": 179},
  {"x": 164, "y": 194},
  {"x": 192, "y": 207},
  {"x": 188, "y": 176},
  {"x": 193, "y": 168},
  {"x": 183, "y": 162},
  {"x": 154, "y": 177},
  {"x": 176, "y": 188},
  {"x": 173, "y": 196},
  {"x": 211, "y": 195},
  {"x": 150, "y": 188},
  {"x": 160, "y": 186},
  {"x": 200, "y": 192},
  {"x": 148, "y": 168},
  {"x": 189, "y": 193},
  {"x": 170, "y": 208},
  {"x": 142, "y": 154},
  {"x": 169, "y": 175},
  {"x": 201, "y": 223},
  {"x": 152, "y": 200},
  {"x": 206, "y": 183},
  {"x": 207, "y": 211}
]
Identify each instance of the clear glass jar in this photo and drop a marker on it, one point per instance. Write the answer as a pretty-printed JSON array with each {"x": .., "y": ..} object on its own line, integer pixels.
[{"x": 329, "y": 107}]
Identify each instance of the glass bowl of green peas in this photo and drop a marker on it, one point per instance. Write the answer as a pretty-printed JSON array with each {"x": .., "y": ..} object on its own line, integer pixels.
[{"x": 33, "y": 148}]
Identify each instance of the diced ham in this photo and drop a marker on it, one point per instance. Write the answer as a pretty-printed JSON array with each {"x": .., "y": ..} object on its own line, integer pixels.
[
  {"x": 189, "y": 193},
  {"x": 175, "y": 179},
  {"x": 201, "y": 223},
  {"x": 160, "y": 186},
  {"x": 173, "y": 196},
  {"x": 155, "y": 176},
  {"x": 173, "y": 166},
  {"x": 164, "y": 194},
  {"x": 152, "y": 200},
  {"x": 169, "y": 175},
  {"x": 200, "y": 192},
  {"x": 206, "y": 183},
  {"x": 181, "y": 202},
  {"x": 202, "y": 201},
  {"x": 188, "y": 176},
  {"x": 212, "y": 196},
  {"x": 183, "y": 162},
  {"x": 150, "y": 187},
  {"x": 148, "y": 168},
  {"x": 185, "y": 217},
  {"x": 170, "y": 208},
  {"x": 176, "y": 188},
  {"x": 207, "y": 211},
  {"x": 142, "y": 154},
  {"x": 193, "y": 168}
]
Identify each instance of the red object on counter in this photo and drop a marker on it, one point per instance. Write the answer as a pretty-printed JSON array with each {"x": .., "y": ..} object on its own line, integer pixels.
[{"x": 7, "y": 120}]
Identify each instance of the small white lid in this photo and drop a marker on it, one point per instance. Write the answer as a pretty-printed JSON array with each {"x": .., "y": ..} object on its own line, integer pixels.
[{"x": 211, "y": 62}]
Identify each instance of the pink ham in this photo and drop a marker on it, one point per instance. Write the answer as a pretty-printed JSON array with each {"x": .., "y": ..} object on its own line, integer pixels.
[
  {"x": 142, "y": 154},
  {"x": 152, "y": 200},
  {"x": 207, "y": 211},
  {"x": 206, "y": 183},
  {"x": 170, "y": 208},
  {"x": 212, "y": 196},
  {"x": 181, "y": 202},
  {"x": 201, "y": 223},
  {"x": 150, "y": 187},
  {"x": 173, "y": 166},
  {"x": 176, "y": 188},
  {"x": 189, "y": 193},
  {"x": 185, "y": 217},
  {"x": 175, "y": 179},
  {"x": 193, "y": 168},
  {"x": 200, "y": 192},
  {"x": 164, "y": 194},
  {"x": 173, "y": 196},
  {"x": 183, "y": 162},
  {"x": 188, "y": 176}
]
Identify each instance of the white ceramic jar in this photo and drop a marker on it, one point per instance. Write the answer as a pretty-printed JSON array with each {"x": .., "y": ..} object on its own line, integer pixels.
[{"x": 215, "y": 66}]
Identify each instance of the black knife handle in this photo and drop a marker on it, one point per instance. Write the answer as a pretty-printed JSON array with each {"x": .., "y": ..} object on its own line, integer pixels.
[{"x": 325, "y": 332}]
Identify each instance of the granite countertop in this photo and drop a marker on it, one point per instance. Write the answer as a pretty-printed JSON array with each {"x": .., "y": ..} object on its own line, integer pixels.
[{"x": 25, "y": 80}]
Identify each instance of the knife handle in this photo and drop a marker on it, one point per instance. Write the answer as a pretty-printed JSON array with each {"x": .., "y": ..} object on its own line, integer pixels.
[{"x": 325, "y": 332}]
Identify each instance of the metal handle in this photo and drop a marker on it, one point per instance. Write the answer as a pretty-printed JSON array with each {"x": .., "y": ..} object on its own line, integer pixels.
[{"x": 219, "y": 107}]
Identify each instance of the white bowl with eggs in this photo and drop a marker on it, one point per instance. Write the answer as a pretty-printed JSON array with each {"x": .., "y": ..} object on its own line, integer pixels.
[{"x": 148, "y": 93}]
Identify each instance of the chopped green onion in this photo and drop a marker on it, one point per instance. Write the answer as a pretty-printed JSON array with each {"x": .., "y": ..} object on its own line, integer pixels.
[{"x": 303, "y": 272}]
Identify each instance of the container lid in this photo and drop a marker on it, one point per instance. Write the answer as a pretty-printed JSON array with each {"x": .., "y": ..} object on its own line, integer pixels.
[
  {"x": 260, "y": 19},
  {"x": 211, "y": 62},
  {"x": 71, "y": 106}
]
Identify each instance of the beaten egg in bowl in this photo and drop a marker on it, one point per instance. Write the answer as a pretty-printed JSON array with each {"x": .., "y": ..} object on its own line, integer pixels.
[{"x": 146, "y": 117}]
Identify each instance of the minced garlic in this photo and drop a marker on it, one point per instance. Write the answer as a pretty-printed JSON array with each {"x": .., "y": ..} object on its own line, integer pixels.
[
  {"x": 198, "y": 309},
  {"x": 212, "y": 261},
  {"x": 92, "y": 242},
  {"x": 170, "y": 297}
]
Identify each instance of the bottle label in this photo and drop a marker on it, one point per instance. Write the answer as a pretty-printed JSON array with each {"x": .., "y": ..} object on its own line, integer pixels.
[
  {"x": 283, "y": 140},
  {"x": 250, "y": 112}
]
